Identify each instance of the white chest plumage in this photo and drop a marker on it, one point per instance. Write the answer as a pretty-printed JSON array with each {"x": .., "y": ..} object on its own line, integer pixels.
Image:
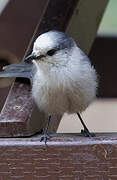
[{"x": 69, "y": 88}]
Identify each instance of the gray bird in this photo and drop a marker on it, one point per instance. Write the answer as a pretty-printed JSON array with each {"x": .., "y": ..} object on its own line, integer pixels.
[{"x": 63, "y": 79}]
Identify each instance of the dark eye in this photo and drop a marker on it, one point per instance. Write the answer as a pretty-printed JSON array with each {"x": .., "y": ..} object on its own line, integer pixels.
[{"x": 51, "y": 52}]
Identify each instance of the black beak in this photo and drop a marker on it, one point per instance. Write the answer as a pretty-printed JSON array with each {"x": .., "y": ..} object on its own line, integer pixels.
[
  {"x": 32, "y": 56},
  {"x": 29, "y": 58}
]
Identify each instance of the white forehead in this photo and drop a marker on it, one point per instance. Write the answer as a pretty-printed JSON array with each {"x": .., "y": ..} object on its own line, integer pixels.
[
  {"x": 44, "y": 42},
  {"x": 52, "y": 39}
]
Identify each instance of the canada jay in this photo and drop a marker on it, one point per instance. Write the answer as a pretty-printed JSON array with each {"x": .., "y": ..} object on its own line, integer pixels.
[{"x": 63, "y": 79}]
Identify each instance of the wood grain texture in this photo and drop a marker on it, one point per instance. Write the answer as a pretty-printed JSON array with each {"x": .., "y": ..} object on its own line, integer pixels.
[
  {"x": 64, "y": 158},
  {"x": 16, "y": 112}
]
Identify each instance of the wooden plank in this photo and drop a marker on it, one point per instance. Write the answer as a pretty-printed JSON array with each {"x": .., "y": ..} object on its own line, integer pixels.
[
  {"x": 85, "y": 21},
  {"x": 65, "y": 157}
]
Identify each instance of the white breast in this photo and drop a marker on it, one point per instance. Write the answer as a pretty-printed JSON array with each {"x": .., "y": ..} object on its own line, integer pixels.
[
  {"x": 69, "y": 88},
  {"x": 48, "y": 93}
]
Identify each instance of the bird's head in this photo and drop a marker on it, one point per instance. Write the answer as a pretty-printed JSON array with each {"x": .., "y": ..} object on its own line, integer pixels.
[{"x": 52, "y": 47}]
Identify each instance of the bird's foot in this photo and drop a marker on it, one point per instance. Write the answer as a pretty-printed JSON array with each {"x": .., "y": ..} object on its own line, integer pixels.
[
  {"x": 44, "y": 138},
  {"x": 86, "y": 133}
]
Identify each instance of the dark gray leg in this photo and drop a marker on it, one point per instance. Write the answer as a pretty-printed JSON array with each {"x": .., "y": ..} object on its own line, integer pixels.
[
  {"x": 85, "y": 131},
  {"x": 45, "y": 136}
]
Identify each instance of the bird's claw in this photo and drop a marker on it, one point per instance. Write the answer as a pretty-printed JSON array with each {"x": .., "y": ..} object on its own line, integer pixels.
[
  {"x": 86, "y": 133},
  {"x": 44, "y": 138}
]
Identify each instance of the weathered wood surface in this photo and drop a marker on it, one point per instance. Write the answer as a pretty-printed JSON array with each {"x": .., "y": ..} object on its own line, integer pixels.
[{"x": 66, "y": 157}]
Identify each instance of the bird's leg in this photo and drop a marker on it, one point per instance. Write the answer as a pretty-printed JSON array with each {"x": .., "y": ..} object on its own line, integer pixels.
[
  {"x": 85, "y": 131},
  {"x": 45, "y": 136}
]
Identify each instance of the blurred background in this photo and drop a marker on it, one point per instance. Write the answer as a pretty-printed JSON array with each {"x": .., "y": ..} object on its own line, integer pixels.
[
  {"x": 108, "y": 25},
  {"x": 101, "y": 115}
]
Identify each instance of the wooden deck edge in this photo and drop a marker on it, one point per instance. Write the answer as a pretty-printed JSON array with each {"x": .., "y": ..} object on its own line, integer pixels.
[
  {"x": 64, "y": 157},
  {"x": 61, "y": 139}
]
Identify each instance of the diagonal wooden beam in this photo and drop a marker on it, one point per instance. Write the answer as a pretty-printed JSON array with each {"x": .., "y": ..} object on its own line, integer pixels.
[{"x": 85, "y": 21}]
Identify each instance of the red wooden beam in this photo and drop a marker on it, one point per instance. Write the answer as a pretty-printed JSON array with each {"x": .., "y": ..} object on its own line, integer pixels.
[
  {"x": 65, "y": 157},
  {"x": 17, "y": 24}
]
